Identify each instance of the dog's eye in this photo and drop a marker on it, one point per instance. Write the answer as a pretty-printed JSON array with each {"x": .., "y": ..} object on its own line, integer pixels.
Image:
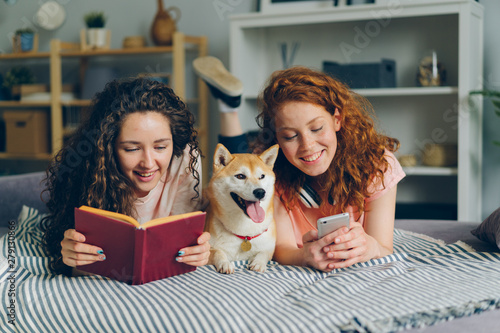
[
  {"x": 262, "y": 176},
  {"x": 241, "y": 176}
]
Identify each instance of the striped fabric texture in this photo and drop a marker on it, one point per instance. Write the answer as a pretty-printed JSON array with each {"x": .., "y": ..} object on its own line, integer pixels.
[{"x": 424, "y": 282}]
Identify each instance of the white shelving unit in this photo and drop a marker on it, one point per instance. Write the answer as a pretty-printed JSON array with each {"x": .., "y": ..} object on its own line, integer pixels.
[{"x": 403, "y": 30}]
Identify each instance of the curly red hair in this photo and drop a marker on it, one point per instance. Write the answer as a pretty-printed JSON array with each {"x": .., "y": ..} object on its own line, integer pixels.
[{"x": 359, "y": 160}]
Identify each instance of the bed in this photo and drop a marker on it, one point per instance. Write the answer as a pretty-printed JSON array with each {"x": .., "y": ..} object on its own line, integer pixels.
[{"x": 434, "y": 282}]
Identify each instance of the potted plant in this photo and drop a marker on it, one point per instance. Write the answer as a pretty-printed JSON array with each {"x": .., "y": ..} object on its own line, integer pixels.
[
  {"x": 4, "y": 94},
  {"x": 96, "y": 34},
  {"x": 495, "y": 100},
  {"x": 24, "y": 39},
  {"x": 15, "y": 77}
]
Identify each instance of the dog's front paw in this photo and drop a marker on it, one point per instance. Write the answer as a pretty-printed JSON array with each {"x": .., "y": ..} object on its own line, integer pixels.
[
  {"x": 258, "y": 266},
  {"x": 221, "y": 261},
  {"x": 225, "y": 267},
  {"x": 259, "y": 263}
]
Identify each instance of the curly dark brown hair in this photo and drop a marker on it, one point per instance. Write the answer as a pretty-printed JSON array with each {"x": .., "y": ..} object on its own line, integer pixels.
[
  {"x": 86, "y": 171},
  {"x": 359, "y": 159}
]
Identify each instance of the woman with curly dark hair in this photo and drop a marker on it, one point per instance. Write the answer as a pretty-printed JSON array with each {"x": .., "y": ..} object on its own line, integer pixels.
[
  {"x": 332, "y": 160},
  {"x": 137, "y": 154}
]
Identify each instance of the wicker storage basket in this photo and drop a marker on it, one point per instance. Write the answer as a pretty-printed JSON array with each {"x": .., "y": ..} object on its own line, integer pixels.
[
  {"x": 132, "y": 42},
  {"x": 440, "y": 155}
]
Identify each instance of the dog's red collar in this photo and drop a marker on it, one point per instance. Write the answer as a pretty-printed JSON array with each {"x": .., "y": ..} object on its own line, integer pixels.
[{"x": 247, "y": 238}]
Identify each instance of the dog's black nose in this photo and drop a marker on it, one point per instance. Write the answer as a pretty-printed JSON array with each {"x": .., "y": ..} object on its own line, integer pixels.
[{"x": 259, "y": 193}]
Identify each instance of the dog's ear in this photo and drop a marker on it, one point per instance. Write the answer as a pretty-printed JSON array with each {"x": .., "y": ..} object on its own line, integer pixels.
[
  {"x": 269, "y": 156},
  {"x": 222, "y": 157}
]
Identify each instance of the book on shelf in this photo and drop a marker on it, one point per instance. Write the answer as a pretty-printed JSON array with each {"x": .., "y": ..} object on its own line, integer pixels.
[{"x": 138, "y": 253}]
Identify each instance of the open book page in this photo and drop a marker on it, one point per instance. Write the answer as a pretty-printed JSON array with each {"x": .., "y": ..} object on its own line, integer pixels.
[
  {"x": 113, "y": 215},
  {"x": 171, "y": 218},
  {"x": 134, "y": 222}
]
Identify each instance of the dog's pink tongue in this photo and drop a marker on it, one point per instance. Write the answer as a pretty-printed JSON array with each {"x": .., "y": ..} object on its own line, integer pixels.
[{"x": 255, "y": 211}]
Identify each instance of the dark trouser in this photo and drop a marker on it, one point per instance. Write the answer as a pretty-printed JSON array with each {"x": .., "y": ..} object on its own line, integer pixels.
[{"x": 235, "y": 144}]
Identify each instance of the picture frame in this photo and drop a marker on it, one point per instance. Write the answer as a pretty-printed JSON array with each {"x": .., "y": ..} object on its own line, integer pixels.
[{"x": 290, "y": 6}]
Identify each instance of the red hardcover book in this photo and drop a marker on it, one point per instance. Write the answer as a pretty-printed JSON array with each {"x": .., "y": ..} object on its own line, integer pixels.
[{"x": 135, "y": 253}]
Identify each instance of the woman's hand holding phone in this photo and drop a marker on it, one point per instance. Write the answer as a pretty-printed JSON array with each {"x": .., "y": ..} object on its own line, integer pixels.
[
  {"x": 329, "y": 224},
  {"x": 348, "y": 248}
]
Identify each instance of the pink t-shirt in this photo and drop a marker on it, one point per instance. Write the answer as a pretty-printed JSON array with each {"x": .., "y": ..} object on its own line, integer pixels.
[
  {"x": 173, "y": 193},
  {"x": 301, "y": 223}
]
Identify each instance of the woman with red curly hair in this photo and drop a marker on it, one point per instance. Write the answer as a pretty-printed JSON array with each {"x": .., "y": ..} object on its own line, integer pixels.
[{"x": 331, "y": 149}]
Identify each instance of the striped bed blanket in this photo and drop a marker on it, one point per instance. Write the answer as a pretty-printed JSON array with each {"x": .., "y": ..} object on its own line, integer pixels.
[{"x": 424, "y": 282}]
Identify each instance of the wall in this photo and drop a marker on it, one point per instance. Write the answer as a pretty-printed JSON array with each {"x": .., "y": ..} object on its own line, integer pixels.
[
  {"x": 491, "y": 123},
  {"x": 210, "y": 18},
  {"x": 127, "y": 18}
]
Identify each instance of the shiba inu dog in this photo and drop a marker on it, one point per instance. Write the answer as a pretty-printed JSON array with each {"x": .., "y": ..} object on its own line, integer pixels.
[{"x": 240, "y": 214}]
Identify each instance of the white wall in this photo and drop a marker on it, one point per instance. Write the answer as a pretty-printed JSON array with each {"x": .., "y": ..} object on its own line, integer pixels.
[
  {"x": 202, "y": 17},
  {"x": 491, "y": 123},
  {"x": 127, "y": 17}
]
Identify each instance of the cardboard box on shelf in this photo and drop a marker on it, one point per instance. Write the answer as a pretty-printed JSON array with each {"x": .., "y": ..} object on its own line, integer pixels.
[
  {"x": 41, "y": 92},
  {"x": 27, "y": 131}
]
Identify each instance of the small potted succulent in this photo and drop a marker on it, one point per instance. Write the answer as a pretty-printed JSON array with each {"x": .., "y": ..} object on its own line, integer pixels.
[
  {"x": 4, "y": 94},
  {"x": 24, "y": 39},
  {"x": 15, "y": 77},
  {"x": 96, "y": 34}
]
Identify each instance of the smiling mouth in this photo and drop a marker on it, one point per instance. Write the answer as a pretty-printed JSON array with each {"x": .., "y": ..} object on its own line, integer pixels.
[
  {"x": 252, "y": 209},
  {"x": 146, "y": 174},
  {"x": 313, "y": 157}
]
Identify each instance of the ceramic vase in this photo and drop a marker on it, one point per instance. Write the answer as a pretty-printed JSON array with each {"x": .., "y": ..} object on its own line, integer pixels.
[{"x": 164, "y": 25}]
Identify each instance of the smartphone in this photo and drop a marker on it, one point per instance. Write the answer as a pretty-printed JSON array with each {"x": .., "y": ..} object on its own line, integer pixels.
[{"x": 332, "y": 223}]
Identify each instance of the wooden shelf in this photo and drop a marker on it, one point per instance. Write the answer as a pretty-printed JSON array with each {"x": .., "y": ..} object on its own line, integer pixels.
[
  {"x": 130, "y": 51},
  {"x": 19, "y": 104},
  {"x": 25, "y": 156},
  {"x": 27, "y": 55},
  {"x": 77, "y": 102},
  {"x": 111, "y": 52},
  {"x": 114, "y": 52}
]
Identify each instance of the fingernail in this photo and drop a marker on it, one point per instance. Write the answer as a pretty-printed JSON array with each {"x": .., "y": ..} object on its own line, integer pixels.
[
  {"x": 178, "y": 259},
  {"x": 102, "y": 257},
  {"x": 100, "y": 252},
  {"x": 180, "y": 253}
]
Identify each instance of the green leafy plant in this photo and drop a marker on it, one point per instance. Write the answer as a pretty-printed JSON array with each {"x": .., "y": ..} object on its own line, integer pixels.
[
  {"x": 24, "y": 31},
  {"x": 18, "y": 75},
  {"x": 95, "y": 20},
  {"x": 495, "y": 100}
]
